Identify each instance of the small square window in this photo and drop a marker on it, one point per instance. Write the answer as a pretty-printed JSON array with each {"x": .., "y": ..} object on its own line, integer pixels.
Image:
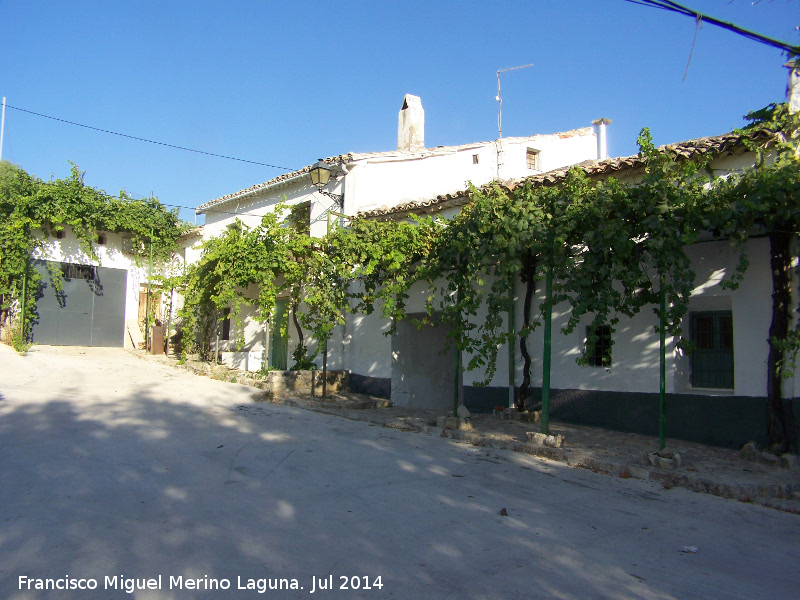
[
  {"x": 598, "y": 347},
  {"x": 532, "y": 159},
  {"x": 60, "y": 234},
  {"x": 73, "y": 271},
  {"x": 101, "y": 240},
  {"x": 475, "y": 159}
]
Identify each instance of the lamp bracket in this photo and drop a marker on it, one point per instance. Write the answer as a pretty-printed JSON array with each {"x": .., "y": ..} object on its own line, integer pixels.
[{"x": 338, "y": 198}]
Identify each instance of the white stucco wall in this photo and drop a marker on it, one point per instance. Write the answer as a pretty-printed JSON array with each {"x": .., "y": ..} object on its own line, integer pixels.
[
  {"x": 110, "y": 255},
  {"x": 68, "y": 250},
  {"x": 392, "y": 178},
  {"x": 635, "y": 355},
  {"x": 252, "y": 208}
]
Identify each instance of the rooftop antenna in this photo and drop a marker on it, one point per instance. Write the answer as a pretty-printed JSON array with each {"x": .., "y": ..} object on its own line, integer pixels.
[{"x": 499, "y": 98}]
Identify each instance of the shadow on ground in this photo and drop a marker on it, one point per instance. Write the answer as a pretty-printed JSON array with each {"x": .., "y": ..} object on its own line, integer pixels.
[{"x": 140, "y": 486}]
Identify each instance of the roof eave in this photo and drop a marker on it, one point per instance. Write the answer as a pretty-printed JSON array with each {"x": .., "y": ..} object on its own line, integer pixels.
[{"x": 718, "y": 146}]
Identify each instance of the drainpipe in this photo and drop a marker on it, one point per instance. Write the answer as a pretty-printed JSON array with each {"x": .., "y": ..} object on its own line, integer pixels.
[{"x": 602, "y": 149}]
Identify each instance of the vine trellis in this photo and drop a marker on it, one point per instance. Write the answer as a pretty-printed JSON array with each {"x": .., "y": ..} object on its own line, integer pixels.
[{"x": 32, "y": 209}]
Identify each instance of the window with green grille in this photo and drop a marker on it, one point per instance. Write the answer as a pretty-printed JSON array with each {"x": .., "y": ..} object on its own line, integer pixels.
[
  {"x": 712, "y": 356},
  {"x": 598, "y": 346}
]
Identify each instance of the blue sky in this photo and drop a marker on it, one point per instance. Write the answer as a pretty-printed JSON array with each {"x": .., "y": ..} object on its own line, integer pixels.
[{"x": 284, "y": 83}]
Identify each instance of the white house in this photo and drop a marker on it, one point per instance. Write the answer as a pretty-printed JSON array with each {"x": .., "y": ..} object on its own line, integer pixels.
[
  {"x": 716, "y": 395},
  {"x": 410, "y": 175},
  {"x": 102, "y": 301}
]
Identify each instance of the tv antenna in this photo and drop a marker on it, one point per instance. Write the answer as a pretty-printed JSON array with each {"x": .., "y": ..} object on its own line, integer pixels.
[{"x": 499, "y": 98}]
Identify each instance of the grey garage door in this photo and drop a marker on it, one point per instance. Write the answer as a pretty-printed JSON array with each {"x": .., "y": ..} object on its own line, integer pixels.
[{"x": 89, "y": 310}]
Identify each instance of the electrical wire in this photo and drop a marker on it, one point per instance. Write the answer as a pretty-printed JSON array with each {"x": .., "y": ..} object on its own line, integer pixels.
[
  {"x": 140, "y": 139},
  {"x": 690, "y": 12},
  {"x": 208, "y": 210}
]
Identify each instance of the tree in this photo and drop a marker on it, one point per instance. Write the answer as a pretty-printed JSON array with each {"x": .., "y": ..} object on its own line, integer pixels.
[
  {"x": 766, "y": 199},
  {"x": 249, "y": 267}
]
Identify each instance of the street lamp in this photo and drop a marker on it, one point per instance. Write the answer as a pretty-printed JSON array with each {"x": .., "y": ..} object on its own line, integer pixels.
[{"x": 320, "y": 175}]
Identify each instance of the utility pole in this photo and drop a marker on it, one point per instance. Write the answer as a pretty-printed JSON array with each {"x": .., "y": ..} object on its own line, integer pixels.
[{"x": 2, "y": 127}]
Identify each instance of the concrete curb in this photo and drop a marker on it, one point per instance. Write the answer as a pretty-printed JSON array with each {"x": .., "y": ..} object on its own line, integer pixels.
[{"x": 760, "y": 494}]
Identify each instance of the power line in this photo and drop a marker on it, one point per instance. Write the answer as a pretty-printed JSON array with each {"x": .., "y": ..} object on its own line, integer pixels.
[
  {"x": 140, "y": 139},
  {"x": 108, "y": 196},
  {"x": 698, "y": 16}
]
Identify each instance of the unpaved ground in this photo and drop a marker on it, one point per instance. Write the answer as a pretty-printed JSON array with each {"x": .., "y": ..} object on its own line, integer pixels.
[{"x": 113, "y": 466}]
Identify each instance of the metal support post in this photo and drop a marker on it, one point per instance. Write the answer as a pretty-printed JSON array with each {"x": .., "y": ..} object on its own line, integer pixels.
[
  {"x": 548, "y": 335},
  {"x": 325, "y": 369},
  {"x": 512, "y": 388},
  {"x": 662, "y": 404}
]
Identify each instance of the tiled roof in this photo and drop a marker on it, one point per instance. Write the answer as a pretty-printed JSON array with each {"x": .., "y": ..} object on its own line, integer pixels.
[
  {"x": 331, "y": 160},
  {"x": 194, "y": 231},
  {"x": 439, "y": 150},
  {"x": 721, "y": 145},
  {"x": 352, "y": 156}
]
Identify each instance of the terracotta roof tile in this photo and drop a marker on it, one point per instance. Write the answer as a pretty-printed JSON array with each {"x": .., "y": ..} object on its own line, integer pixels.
[
  {"x": 721, "y": 145},
  {"x": 331, "y": 160},
  {"x": 351, "y": 156}
]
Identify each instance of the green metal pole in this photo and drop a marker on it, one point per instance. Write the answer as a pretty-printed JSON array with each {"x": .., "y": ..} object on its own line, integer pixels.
[
  {"x": 169, "y": 322},
  {"x": 456, "y": 381},
  {"x": 511, "y": 359},
  {"x": 662, "y": 405},
  {"x": 548, "y": 338},
  {"x": 24, "y": 298},
  {"x": 325, "y": 369},
  {"x": 149, "y": 277},
  {"x": 457, "y": 376}
]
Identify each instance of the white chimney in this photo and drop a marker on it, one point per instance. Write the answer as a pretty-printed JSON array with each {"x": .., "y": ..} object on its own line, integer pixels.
[
  {"x": 411, "y": 125},
  {"x": 602, "y": 150},
  {"x": 793, "y": 85}
]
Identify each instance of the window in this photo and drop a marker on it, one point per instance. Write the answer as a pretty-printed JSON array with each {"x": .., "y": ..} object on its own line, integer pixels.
[
  {"x": 598, "y": 346},
  {"x": 60, "y": 234},
  {"x": 300, "y": 217},
  {"x": 475, "y": 159},
  {"x": 712, "y": 356},
  {"x": 226, "y": 324},
  {"x": 71, "y": 271},
  {"x": 101, "y": 240},
  {"x": 532, "y": 159}
]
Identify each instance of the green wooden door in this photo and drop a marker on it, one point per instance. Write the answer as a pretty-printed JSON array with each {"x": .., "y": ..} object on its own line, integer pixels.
[
  {"x": 279, "y": 344},
  {"x": 712, "y": 357}
]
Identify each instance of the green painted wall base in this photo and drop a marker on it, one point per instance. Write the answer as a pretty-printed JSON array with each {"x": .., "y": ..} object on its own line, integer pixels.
[{"x": 727, "y": 421}]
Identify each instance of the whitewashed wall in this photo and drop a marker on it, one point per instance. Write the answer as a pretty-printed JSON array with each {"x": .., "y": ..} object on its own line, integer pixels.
[
  {"x": 392, "y": 178},
  {"x": 110, "y": 255}
]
